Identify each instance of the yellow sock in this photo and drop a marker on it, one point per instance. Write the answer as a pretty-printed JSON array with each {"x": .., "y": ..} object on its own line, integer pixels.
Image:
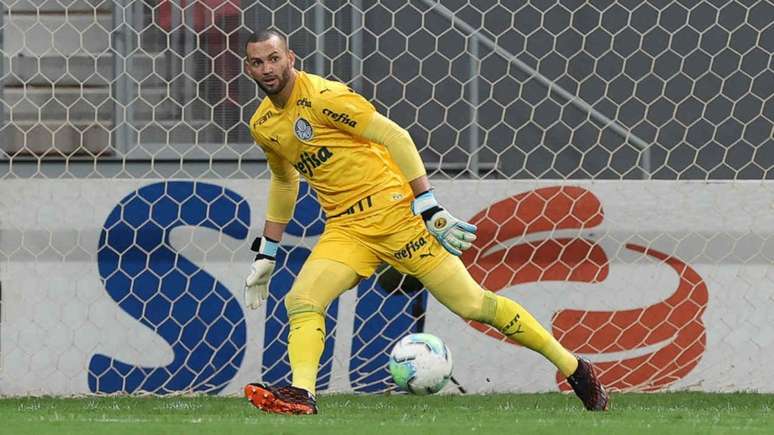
[
  {"x": 517, "y": 324},
  {"x": 306, "y": 342}
]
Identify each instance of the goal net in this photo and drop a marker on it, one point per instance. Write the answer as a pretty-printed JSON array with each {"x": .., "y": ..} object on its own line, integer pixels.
[{"x": 617, "y": 158}]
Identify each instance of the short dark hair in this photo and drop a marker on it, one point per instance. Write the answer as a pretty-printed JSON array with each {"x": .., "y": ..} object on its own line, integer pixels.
[{"x": 263, "y": 35}]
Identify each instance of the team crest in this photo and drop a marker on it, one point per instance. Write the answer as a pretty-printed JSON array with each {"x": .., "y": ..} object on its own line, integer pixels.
[{"x": 303, "y": 129}]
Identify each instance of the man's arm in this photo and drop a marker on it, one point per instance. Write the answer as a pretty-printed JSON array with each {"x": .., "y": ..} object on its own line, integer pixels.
[
  {"x": 281, "y": 201},
  {"x": 397, "y": 140},
  {"x": 274, "y": 230},
  {"x": 420, "y": 185},
  {"x": 454, "y": 234}
]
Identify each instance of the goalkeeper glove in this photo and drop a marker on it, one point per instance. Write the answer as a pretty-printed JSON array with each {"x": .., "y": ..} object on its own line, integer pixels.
[
  {"x": 257, "y": 282},
  {"x": 455, "y": 235}
]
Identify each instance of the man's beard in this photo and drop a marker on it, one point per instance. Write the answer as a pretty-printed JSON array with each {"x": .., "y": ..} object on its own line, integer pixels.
[{"x": 282, "y": 81}]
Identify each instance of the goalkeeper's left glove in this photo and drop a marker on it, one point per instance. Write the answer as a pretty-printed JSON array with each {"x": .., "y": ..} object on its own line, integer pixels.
[
  {"x": 257, "y": 282},
  {"x": 455, "y": 235}
]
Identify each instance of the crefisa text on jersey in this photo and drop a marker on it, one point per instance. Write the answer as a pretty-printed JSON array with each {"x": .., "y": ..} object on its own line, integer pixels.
[
  {"x": 307, "y": 162},
  {"x": 340, "y": 117},
  {"x": 410, "y": 248}
]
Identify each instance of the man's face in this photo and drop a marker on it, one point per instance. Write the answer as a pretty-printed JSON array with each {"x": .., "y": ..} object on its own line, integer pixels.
[{"x": 268, "y": 63}]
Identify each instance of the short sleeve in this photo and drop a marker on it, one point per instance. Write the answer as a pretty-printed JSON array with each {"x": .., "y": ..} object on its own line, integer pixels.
[{"x": 344, "y": 109}]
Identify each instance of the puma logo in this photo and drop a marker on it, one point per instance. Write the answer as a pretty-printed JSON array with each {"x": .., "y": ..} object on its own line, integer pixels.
[
  {"x": 513, "y": 327},
  {"x": 428, "y": 254},
  {"x": 324, "y": 91}
]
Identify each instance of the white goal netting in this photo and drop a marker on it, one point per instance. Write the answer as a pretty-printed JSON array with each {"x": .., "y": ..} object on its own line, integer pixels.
[{"x": 616, "y": 156}]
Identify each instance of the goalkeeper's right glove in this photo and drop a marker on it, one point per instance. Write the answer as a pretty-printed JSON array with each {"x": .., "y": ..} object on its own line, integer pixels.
[
  {"x": 257, "y": 282},
  {"x": 455, "y": 235}
]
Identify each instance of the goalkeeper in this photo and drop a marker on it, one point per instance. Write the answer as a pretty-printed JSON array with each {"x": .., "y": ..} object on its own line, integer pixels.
[{"x": 380, "y": 207}]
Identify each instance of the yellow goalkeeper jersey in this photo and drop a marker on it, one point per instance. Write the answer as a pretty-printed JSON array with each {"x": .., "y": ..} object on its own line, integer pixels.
[{"x": 319, "y": 133}]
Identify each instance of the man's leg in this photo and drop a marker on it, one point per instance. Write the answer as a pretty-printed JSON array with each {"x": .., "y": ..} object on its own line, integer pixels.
[
  {"x": 319, "y": 282},
  {"x": 452, "y": 285}
]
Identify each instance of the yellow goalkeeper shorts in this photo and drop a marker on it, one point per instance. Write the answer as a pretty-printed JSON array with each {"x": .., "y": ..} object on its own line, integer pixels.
[{"x": 392, "y": 235}]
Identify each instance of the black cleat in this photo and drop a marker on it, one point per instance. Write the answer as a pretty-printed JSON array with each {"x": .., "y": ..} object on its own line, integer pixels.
[
  {"x": 587, "y": 387},
  {"x": 281, "y": 400}
]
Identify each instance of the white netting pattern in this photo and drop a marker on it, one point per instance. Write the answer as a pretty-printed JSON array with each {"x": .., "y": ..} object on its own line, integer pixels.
[
  {"x": 128, "y": 92},
  {"x": 662, "y": 89}
]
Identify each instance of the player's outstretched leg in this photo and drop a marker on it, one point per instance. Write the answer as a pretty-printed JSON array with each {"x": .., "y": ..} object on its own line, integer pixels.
[
  {"x": 588, "y": 388},
  {"x": 281, "y": 400},
  {"x": 453, "y": 286}
]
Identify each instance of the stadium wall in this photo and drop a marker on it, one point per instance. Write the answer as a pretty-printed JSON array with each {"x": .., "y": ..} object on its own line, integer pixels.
[{"x": 136, "y": 285}]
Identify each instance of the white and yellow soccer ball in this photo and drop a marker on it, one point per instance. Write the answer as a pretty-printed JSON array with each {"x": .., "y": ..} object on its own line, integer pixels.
[{"x": 421, "y": 364}]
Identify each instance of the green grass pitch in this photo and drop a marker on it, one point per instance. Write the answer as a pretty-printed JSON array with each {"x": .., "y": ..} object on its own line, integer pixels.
[{"x": 671, "y": 413}]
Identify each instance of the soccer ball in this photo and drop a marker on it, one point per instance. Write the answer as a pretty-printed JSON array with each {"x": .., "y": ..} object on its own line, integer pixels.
[{"x": 421, "y": 364}]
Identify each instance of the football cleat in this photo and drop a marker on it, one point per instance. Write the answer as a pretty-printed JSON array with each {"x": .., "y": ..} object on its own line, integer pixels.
[
  {"x": 587, "y": 387},
  {"x": 281, "y": 400}
]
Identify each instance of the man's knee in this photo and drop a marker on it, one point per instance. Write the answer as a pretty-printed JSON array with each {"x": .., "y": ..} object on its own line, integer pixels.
[
  {"x": 481, "y": 308},
  {"x": 319, "y": 283},
  {"x": 297, "y": 303}
]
